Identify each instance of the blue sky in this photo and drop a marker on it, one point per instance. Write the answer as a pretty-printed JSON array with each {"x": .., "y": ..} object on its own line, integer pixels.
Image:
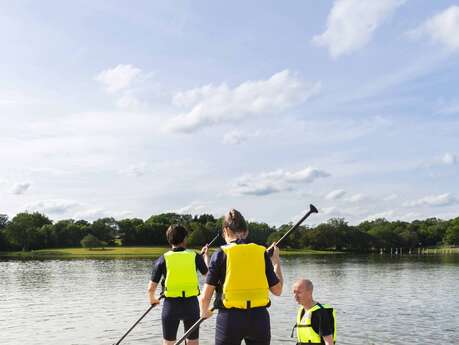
[{"x": 196, "y": 107}]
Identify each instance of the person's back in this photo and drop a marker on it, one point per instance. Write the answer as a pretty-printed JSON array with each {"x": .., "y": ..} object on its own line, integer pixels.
[
  {"x": 242, "y": 274},
  {"x": 180, "y": 285}
]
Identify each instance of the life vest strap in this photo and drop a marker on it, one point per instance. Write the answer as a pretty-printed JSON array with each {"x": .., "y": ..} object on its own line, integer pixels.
[{"x": 298, "y": 326}]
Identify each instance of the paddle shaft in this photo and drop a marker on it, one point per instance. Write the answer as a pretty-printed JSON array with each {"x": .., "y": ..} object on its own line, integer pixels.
[
  {"x": 191, "y": 329},
  {"x": 135, "y": 324},
  {"x": 294, "y": 227},
  {"x": 213, "y": 240},
  {"x": 312, "y": 209}
]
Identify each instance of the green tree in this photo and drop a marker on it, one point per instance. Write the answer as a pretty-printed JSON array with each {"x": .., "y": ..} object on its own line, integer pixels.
[
  {"x": 198, "y": 236},
  {"x": 90, "y": 241},
  {"x": 170, "y": 218},
  {"x": 129, "y": 231},
  {"x": 105, "y": 229},
  {"x": 259, "y": 232},
  {"x": 3, "y": 221},
  {"x": 22, "y": 231},
  {"x": 3, "y": 241},
  {"x": 452, "y": 233}
]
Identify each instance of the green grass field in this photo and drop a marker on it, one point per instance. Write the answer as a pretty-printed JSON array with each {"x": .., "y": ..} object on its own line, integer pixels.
[{"x": 120, "y": 252}]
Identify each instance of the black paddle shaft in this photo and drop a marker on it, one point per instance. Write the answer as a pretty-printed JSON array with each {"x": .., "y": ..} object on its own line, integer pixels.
[
  {"x": 191, "y": 329},
  {"x": 213, "y": 240},
  {"x": 135, "y": 324},
  {"x": 312, "y": 209}
]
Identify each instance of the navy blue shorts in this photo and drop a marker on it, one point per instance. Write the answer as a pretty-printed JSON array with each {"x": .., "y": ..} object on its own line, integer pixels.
[
  {"x": 176, "y": 310},
  {"x": 235, "y": 325}
]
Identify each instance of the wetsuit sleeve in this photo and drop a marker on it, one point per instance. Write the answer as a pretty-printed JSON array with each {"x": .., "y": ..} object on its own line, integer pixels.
[
  {"x": 200, "y": 264},
  {"x": 326, "y": 322},
  {"x": 214, "y": 276},
  {"x": 270, "y": 274},
  {"x": 159, "y": 269}
]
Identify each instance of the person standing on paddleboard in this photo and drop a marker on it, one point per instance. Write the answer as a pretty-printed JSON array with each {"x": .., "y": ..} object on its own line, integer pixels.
[
  {"x": 242, "y": 274},
  {"x": 179, "y": 268}
]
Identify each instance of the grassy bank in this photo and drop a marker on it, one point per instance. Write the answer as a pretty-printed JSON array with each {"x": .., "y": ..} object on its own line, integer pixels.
[{"x": 120, "y": 252}]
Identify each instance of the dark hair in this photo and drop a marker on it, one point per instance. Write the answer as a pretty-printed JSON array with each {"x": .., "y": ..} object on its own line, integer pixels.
[
  {"x": 176, "y": 234},
  {"x": 235, "y": 221}
]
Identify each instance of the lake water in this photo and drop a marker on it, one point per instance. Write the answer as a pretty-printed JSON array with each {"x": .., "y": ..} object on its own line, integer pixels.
[{"x": 379, "y": 300}]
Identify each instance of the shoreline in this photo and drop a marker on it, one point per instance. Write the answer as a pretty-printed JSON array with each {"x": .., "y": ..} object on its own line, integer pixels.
[{"x": 124, "y": 253}]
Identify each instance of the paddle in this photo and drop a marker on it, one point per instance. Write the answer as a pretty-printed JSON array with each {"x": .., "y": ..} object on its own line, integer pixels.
[
  {"x": 135, "y": 324},
  {"x": 312, "y": 209},
  {"x": 213, "y": 240},
  {"x": 191, "y": 329}
]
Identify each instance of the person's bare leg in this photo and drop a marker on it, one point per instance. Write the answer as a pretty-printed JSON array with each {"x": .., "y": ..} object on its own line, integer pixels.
[
  {"x": 192, "y": 342},
  {"x": 168, "y": 342}
]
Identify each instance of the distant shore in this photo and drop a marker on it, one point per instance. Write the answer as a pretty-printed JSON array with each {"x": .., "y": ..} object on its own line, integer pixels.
[{"x": 123, "y": 252}]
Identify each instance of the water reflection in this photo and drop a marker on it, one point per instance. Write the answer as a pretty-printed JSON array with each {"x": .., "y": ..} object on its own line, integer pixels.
[{"x": 379, "y": 300}]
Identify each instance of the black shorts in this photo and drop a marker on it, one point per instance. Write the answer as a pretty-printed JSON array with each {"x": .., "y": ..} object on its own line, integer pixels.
[
  {"x": 176, "y": 310},
  {"x": 235, "y": 325}
]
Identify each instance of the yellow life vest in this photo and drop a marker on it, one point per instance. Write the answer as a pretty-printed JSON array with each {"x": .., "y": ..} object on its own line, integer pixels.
[
  {"x": 246, "y": 285},
  {"x": 181, "y": 276},
  {"x": 305, "y": 333}
]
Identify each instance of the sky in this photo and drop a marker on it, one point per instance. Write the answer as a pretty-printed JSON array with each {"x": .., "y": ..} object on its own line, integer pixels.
[{"x": 125, "y": 109}]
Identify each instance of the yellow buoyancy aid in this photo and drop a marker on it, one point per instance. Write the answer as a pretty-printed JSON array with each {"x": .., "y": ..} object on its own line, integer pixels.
[
  {"x": 246, "y": 285},
  {"x": 181, "y": 276},
  {"x": 305, "y": 333}
]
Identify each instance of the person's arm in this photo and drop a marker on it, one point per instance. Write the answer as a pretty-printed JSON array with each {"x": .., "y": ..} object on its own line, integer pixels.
[
  {"x": 151, "y": 292},
  {"x": 328, "y": 339},
  {"x": 275, "y": 259},
  {"x": 204, "y": 255},
  {"x": 326, "y": 325},
  {"x": 156, "y": 274},
  {"x": 204, "y": 301}
]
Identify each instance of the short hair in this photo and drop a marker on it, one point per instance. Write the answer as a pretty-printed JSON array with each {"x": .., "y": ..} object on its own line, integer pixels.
[
  {"x": 176, "y": 234},
  {"x": 307, "y": 284},
  {"x": 234, "y": 221}
]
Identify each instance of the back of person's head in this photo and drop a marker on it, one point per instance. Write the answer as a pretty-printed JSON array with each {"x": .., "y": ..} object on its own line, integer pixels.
[
  {"x": 176, "y": 234},
  {"x": 235, "y": 221}
]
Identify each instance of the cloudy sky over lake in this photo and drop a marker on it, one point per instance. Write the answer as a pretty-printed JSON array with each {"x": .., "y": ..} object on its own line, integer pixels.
[{"x": 128, "y": 109}]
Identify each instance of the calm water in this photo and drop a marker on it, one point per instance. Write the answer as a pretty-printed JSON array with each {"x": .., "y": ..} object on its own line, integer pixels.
[{"x": 379, "y": 300}]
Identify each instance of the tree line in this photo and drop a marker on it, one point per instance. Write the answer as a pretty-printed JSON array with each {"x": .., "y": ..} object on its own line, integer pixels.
[{"x": 31, "y": 231}]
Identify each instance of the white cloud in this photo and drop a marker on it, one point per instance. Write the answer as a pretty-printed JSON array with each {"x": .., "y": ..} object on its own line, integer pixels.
[
  {"x": 390, "y": 197},
  {"x": 118, "y": 78},
  {"x": 128, "y": 101},
  {"x": 234, "y": 137},
  {"x": 196, "y": 207},
  {"x": 136, "y": 170},
  {"x": 276, "y": 181},
  {"x": 385, "y": 214},
  {"x": 449, "y": 158},
  {"x": 336, "y": 194},
  {"x": 448, "y": 109},
  {"x": 53, "y": 206},
  {"x": 351, "y": 24},
  {"x": 357, "y": 198},
  {"x": 445, "y": 199},
  {"x": 20, "y": 188},
  {"x": 443, "y": 28},
  {"x": 211, "y": 105}
]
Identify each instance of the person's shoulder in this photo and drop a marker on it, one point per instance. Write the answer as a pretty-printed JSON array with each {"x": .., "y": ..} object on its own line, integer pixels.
[{"x": 218, "y": 254}]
